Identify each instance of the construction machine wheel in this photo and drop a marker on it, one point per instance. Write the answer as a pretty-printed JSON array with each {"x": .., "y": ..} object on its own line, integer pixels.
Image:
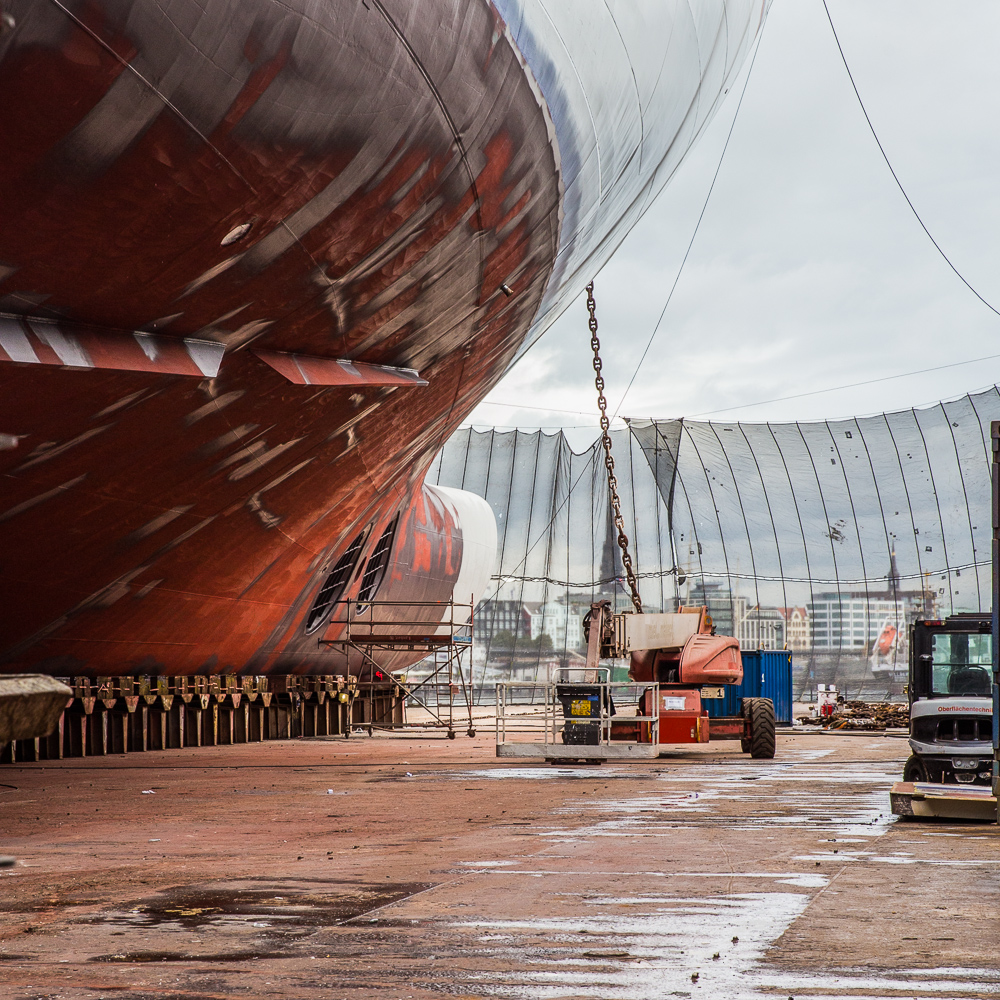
[
  {"x": 914, "y": 770},
  {"x": 761, "y": 741}
]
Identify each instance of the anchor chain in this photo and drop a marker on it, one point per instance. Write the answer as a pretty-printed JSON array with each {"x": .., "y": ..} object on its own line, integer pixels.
[{"x": 609, "y": 462}]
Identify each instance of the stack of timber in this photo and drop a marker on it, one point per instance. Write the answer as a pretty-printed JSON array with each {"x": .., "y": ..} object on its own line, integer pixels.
[
  {"x": 114, "y": 715},
  {"x": 879, "y": 716},
  {"x": 863, "y": 715}
]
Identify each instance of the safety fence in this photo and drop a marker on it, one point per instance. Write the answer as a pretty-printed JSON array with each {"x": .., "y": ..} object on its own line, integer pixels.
[{"x": 825, "y": 538}]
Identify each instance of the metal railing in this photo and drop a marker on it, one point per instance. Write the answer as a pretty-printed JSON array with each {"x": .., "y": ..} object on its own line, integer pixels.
[{"x": 568, "y": 702}]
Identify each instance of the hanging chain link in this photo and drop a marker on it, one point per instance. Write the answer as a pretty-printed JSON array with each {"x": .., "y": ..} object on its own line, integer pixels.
[{"x": 609, "y": 462}]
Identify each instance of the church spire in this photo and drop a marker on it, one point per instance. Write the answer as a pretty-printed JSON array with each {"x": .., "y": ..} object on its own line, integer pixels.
[{"x": 893, "y": 572}]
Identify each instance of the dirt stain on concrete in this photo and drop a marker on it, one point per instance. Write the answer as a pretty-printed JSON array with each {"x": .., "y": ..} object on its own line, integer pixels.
[
  {"x": 268, "y": 902},
  {"x": 277, "y": 914}
]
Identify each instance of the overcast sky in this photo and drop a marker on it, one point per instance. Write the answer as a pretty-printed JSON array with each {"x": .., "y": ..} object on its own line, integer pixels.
[{"x": 809, "y": 270}]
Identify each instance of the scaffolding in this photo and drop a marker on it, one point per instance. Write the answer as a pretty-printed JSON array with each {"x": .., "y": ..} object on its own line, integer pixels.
[{"x": 441, "y": 629}]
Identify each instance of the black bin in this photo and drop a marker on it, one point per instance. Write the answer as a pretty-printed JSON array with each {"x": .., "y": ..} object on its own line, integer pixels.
[{"x": 580, "y": 704}]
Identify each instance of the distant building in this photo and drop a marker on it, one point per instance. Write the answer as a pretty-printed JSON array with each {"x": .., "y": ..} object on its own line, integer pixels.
[
  {"x": 562, "y": 623},
  {"x": 797, "y": 635},
  {"x": 851, "y": 621},
  {"x": 855, "y": 619},
  {"x": 759, "y": 628},
  {"x": 500, "y": 616}
]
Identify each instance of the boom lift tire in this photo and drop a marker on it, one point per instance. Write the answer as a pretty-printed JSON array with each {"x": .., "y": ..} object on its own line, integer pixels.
[
  {"x": 745, "y": 714},
  {"x": 914, "y": 770},
  {"x": 760, "y": 715}
]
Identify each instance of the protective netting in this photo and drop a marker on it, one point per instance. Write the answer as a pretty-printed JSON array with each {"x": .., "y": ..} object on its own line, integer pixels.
[{"x": 827, "y": 537}]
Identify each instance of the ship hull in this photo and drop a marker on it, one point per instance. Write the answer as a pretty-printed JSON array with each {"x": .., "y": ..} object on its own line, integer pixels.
[
  {"x": 259, "y": 259},
  {"x": 396, "y": 166}
]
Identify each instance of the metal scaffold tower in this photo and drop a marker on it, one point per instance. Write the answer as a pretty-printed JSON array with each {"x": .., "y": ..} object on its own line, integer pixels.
[{"x": 442, "y": 630}]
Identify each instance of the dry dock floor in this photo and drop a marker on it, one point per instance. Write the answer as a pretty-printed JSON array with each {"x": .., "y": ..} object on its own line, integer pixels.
[{"x": 405, "y": 867}]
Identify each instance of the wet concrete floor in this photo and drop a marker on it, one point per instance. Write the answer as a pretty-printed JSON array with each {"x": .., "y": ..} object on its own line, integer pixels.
[{"x": 405, "y": 867}]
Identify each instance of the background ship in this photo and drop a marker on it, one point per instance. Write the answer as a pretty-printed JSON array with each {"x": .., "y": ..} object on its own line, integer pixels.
[{"x": 258, "y": 261}]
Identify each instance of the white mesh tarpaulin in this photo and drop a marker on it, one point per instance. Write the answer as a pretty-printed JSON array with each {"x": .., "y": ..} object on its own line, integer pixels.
[
  {"x": 630, "y": 86},
  {"x": 826, "y": 537}
]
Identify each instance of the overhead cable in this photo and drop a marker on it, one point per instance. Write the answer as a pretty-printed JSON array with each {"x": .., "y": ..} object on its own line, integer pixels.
[
  {"x": 852, "y": 385},
  {"x": 961, "y": 277}
]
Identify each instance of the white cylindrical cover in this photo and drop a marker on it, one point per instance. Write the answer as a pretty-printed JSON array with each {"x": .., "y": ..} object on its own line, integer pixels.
[{"x": 479, "y": 541}]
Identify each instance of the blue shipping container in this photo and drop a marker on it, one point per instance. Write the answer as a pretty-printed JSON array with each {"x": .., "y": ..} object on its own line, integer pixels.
[{"x": 766, "y": 674}]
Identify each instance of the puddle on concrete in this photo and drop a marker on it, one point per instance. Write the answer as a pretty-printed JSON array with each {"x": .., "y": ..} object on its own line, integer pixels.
[
  {"x": 806, "y": 881},
  {"x": 547, "y": 771},
  {"x": 861, "y": 984},
  {"x": 717, "y": 940},
  {"x": 684, "y": 947},
  {"x": 661, "y": 816},
  {"x": 703, "y": 796},
  {"x": 279, "y": 902},
  {"x": 147, "y": 957}
]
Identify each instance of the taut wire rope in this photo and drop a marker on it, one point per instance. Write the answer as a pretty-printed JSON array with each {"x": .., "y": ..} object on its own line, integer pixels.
[{"x": 961, "y": 277}]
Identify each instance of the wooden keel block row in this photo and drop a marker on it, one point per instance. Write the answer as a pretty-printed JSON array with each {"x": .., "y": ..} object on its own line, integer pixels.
[{"x": 118, "y": 715}]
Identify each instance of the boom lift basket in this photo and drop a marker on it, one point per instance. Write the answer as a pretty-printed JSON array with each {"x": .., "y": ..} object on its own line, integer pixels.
[{"x": 577, "y": 713}]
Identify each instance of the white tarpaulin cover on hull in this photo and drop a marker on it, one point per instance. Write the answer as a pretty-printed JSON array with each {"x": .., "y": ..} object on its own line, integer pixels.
[{"x": 609, "y": 73}]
